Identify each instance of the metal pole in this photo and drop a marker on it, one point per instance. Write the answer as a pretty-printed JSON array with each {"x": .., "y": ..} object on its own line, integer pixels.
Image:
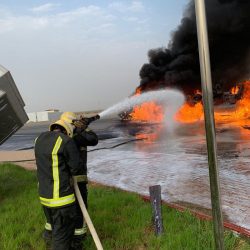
[{"x": 207, "y": 95}]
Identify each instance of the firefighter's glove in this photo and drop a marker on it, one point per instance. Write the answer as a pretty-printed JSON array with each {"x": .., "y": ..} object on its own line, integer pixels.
[{"x": 80, "y": 124}]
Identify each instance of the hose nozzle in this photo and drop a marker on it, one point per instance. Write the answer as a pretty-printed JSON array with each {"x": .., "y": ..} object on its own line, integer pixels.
[{"x": 88, "y": 120}]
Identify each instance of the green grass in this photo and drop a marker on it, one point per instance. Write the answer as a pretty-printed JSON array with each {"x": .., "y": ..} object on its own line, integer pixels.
[
  {"x": 122, "y": 220},
  {"x": 21, "y": 218}
]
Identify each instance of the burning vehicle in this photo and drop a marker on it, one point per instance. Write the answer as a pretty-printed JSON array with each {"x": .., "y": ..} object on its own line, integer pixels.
[{"x": 177, "y": 65}]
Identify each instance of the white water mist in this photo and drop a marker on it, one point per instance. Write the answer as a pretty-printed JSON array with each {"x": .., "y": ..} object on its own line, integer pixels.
[{"x": 171, "y": 99}]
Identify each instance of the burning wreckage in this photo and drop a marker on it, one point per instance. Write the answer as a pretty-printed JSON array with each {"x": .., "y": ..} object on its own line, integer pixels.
[
  {"x": 153, "y": 111},
  {"x": 177, "y": 66}
]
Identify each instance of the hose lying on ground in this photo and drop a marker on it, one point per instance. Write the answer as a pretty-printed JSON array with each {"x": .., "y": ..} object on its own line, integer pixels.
[{"x": 115, "y": 146}]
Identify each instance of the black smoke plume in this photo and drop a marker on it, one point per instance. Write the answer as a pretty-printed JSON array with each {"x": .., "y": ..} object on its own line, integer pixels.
[{"x": 229, "y": 40}]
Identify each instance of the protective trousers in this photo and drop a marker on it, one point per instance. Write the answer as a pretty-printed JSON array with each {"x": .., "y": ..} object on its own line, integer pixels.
[{"x": 63, "y": 222}]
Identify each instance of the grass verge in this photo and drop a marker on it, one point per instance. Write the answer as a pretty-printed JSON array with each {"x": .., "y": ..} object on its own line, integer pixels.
[{"x": 122, "y": 220}]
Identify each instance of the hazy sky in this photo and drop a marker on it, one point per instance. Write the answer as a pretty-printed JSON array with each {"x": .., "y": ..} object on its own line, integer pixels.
[{"x": 81, "y": 55}]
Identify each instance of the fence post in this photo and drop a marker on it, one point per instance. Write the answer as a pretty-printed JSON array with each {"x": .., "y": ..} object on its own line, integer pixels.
[{"x": 155, "y": 198}]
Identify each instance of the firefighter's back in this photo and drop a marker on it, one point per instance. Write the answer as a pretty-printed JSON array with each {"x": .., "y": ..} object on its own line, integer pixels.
[{"x": 52, "y": 171}]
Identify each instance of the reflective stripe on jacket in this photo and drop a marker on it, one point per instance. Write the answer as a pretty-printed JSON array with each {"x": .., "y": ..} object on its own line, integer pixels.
[{"x": 57, "y": 159}]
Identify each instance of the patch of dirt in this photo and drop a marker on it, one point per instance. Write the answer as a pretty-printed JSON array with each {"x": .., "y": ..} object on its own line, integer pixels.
[{"x": 23, "y": 158}]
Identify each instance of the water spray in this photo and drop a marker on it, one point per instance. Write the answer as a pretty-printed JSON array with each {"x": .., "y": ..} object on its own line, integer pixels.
[{"x": 172, "y": 99}]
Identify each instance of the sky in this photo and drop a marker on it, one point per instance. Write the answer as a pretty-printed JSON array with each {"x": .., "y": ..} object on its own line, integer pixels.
[{"x": 81, "y": 55}]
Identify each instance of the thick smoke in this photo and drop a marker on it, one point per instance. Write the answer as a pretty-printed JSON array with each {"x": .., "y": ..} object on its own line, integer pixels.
[{"x": 229, "y": 41}]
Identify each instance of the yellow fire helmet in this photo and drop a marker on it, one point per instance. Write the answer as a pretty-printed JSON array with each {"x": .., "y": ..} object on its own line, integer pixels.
[
  {"x": 68, "y": 117},
  {"x": 66, "y": 125}
]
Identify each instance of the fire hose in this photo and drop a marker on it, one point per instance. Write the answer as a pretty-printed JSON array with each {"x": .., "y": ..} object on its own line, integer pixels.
[
  {"x": 87, "y": 217},
  {"x": 87, "y": 120}
]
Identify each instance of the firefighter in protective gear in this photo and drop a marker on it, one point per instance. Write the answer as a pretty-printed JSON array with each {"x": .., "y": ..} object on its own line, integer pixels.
[
  {"x": 58, "y": 159},
  {"x": 83, "y": 137}
]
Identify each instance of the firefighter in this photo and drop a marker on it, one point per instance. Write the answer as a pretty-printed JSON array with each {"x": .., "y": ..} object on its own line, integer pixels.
[
  {"x": 83, "y": 137},
  {"x": 58, "y": 159}
]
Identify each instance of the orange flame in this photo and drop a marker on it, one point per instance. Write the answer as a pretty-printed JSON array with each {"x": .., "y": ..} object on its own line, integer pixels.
[
  {"x": 190, "y": 114},
  {"x": 147, "y": 136},
  {"x": 243, "y": 105},
  {"x": 234, "y": 90},
  {"x": 137, "y": 91},
  {"x": 148, "y": 111}
]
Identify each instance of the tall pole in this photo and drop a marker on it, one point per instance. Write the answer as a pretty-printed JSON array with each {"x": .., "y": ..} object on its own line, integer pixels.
[{"x": 207, "y": 96}]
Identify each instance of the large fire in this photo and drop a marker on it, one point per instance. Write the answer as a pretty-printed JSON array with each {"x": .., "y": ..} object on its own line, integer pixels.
[
  {"x": 148, "y": 111},
  {"x": 189, "y": 113}
]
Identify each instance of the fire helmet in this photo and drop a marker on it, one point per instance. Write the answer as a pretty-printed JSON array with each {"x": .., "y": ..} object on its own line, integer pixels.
[
  {"x": 68, "y": 117},
  {"x": 64, "y": 124}
]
